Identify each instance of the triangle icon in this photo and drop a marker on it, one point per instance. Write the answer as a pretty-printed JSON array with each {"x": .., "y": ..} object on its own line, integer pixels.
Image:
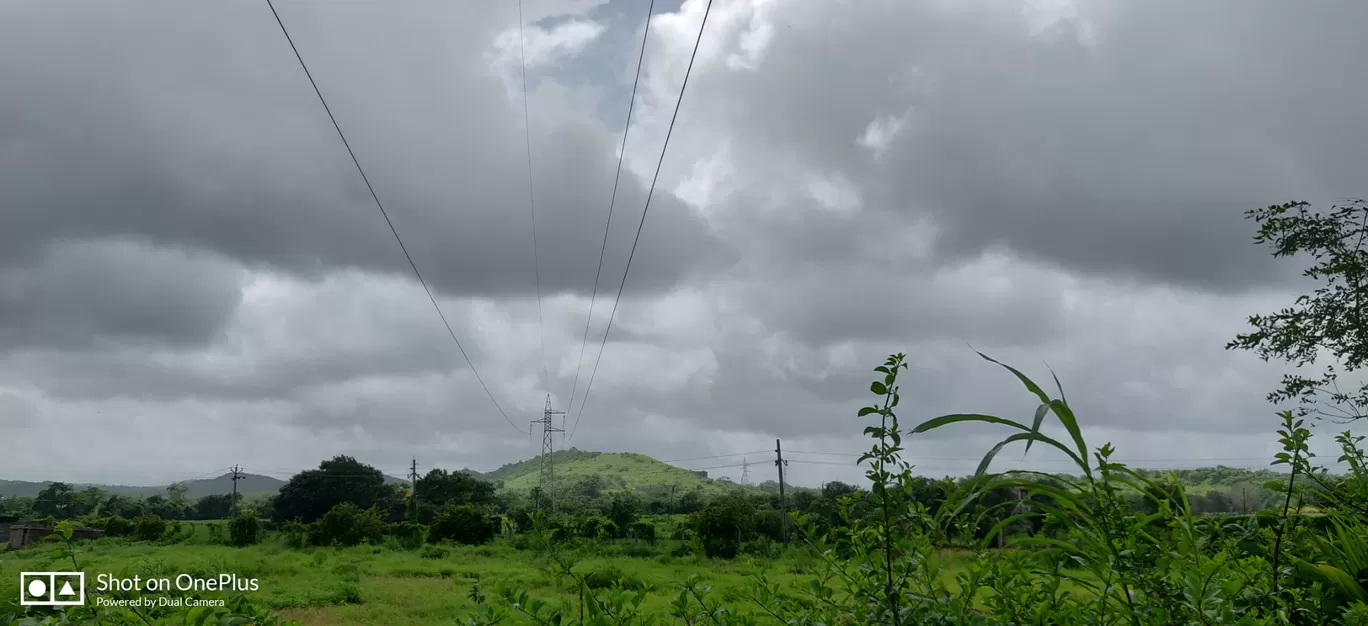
[{"x": 66, "y": 590}]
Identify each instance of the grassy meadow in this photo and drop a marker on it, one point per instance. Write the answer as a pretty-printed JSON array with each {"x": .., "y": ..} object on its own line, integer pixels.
[{"x": 388, "y": 585}]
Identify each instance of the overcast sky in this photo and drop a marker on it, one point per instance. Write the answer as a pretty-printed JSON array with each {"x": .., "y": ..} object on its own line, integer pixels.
[{"x": 193, "y": 275}]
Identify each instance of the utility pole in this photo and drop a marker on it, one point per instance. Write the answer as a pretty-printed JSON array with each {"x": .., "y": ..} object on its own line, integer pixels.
[
  {"x": 237, "y": 475},
  {"x": 547, "y": 476},
  {"x": 413, "y": 490},
  {"x": 745, "y": 471},
  {"x": 780, "y": 463}
]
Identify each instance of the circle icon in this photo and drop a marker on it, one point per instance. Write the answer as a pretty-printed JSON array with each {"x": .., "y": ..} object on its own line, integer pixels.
[{"x": 37, "y": 588}]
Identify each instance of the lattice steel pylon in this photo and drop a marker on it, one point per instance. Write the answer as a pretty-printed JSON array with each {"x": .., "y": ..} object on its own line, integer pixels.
[{"x": 547, "y": 477}]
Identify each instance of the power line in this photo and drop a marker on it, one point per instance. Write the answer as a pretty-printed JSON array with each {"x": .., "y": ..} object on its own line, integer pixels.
[
  {"x": 979, "y": 458},
  {"x": 612, "y": 200},
  {"x": 385, "y": 214},
  {"x": 531, "y": 195},
  {"x": 646, "y": 209},
  {"x": 717, "y": 456}
]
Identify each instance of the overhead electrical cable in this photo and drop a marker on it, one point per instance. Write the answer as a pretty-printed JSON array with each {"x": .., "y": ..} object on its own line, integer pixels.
[
  {"x": 385, "y": 214},
  {"x": 612, "y": 200},
  {"x": 646, "y": 209},
  {"x": 531, "y": 194}
]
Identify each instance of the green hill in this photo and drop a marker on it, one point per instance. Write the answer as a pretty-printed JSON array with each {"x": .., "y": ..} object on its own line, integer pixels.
[{"x": 619, "y": 470}]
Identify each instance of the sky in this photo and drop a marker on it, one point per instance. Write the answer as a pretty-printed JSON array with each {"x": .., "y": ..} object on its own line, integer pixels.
[{"x": 193, "y": 274}]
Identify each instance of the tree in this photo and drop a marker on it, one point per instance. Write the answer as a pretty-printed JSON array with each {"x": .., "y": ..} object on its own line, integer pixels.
[
  {"x": 176, "y": 494},
  {"x": 310, "y": 494},
  {"x": 1329, "y": 323},
  {"x": 348, "y": 525},
  {"x": 58, "y": 500},
  {"x": 163, "y": 508},
  {"x": 439, "y": 487},
  {"x": 622, "y": 511},
  {"x": 589, "y": 487},
  {"x": 119, "y": 505},
  {"x": 217, "y": 506},
  {"x": 465, "y": 524},
  {"x": 724, "y": 525}
]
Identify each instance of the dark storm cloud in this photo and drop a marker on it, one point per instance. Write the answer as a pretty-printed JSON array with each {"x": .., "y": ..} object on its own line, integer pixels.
[
  {"x": 193, "y": 125},
  {"x": 1132, "y": 155},
  {"x": 82, "y": 295},
  {"x": 155, "y": 136},
  {"x": 343, "y": 328}
]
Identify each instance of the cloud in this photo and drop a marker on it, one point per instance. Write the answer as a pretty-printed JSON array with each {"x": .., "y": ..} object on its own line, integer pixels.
[
  {"x": 546, "y": 46},
  {"x": 193, "y": 275}
]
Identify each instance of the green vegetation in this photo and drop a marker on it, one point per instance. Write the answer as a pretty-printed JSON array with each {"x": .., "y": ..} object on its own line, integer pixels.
[
  {"x": 1102, "y": 544},
  {"x": 633, "y": 472}
]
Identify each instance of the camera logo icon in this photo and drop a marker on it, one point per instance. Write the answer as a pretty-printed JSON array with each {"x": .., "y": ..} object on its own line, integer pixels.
[{"x": 52, "y": 588}]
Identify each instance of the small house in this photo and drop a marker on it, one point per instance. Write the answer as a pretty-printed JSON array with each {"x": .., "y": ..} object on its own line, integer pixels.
[
  {"x": 26, "y": 534},
  {"x": 5, "y": 522}
]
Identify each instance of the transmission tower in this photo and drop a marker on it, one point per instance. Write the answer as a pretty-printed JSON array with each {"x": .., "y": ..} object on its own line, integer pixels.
[
  {"x": 745, "y": 471},
  {"x": 547, "y": 476}
]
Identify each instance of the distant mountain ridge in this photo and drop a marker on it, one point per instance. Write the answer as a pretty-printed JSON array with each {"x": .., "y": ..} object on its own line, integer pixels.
[{"x": 248, "y": 485}]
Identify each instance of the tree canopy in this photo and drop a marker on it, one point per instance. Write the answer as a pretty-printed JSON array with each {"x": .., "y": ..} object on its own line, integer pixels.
[
  {"x": 1326, "y": 324},
  {"x": 310, "y": 494}
]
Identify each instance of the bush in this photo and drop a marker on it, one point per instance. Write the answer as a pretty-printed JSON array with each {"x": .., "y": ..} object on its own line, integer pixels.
[
  {"x": 595, "y": 527},
  {"x": 769, "y": 523},
  {"x": 723, "y": 526},
  {"x": 149, "y": 527},
  {"x": 433, "y": 553},
  {"x": 117, "y": 526},
  {"x": 762, "y": 546},
  {"x": 607, "y": 576},
  {"x": 347, "y": 525},
  {"x": 465, "y": 524},
  {"x": 523, "y": 542},
  {"x": 296, "y": 534},
  {"x": 642, "y": 531},
  {"x": 409, "y": 535},
  {"x": 244, "y": 530}
]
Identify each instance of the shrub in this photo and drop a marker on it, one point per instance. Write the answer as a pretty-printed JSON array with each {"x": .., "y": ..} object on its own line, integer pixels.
[
  {"x": 762, "y": 546},
  {"x": 347, "y": 525},
  {"x": 607, "y": 576},
  {"x": 117, "y": 526},
  {"x": 409, "y": 535},
  {"x": 433, "y": 553},
  {"x": 723, "y": 526},
  {"x": 642, "y": 531},
  {"x": 465, "y": 524},
  {"x": 523, "y": 542},
  {"x": 244, "y": 530},
  {"x": 595, "y": 527},
  {"x": 769, "y": 523},
  {"x": 149, "y": 527},
  {"x": 296, "y": 533}
]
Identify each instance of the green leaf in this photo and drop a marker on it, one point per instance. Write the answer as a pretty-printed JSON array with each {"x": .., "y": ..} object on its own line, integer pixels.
[
  {"x": 1066, "y": 417},
  {"x": 1039, "y": 419},
  {"x": 1028, "y": 437},
  {"x": 946, "y": 420},
  {"x": 1334, "y": 579},
  {"x": 868, "y": 410},
  {"x": 878, "y": 388},
  {"x": 1030, "y": 385}
]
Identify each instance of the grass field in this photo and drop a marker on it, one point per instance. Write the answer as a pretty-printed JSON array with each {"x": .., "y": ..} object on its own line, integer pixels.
[{"x": 381, "y": 585}]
